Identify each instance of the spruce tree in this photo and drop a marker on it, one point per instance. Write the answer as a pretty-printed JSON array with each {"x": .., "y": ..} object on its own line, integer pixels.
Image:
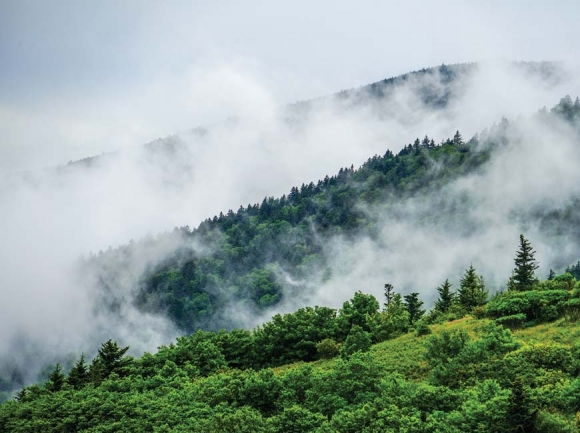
[
  {"x": 78, "y": 376},
  {"x": 471, "y": 291},
  {"x": 111, "y": 359},
  {"x": 523, "y": 277},
  {"x": 55, "y": 379},
  {"x": 457, "y": 139},
  {"x": 413, "y": 305},
  {"x": 446, "y": 297}
]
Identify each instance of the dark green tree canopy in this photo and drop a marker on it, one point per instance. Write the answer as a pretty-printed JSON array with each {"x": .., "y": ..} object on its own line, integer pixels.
[
  {"x": 78, "y": 376},
  {"x": 471, "y": 291},
  {"x": 56, "y": 379},
  {"x": 446, "y": 297},
  {"x": 110, "y": 359},
  {"x": 413, "y": 305}
]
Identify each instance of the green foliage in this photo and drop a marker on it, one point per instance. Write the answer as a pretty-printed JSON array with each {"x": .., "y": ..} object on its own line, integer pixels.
[
  {"x": 78, "y": 376},
  {"x": 456, "y": 361},
  {"x": 357, "y": 340},
  {"x": 484, "y": 382},
  {"x": 446, "y": 298},
  {"x": 472, "y": 291},
  {"x": 413, "y": 305},
  {"x": 536, "y": 305},
  {"x": 293, "y": 337},
  {"x": 513, "y": 321},
  {"x": 574, "y": 270},
  {"x": 523, "y": 276},
  {"x": 422, "y": 329},
  {"x": 56, "y": 379},
  {"x": 391, "y": 322},
  {"x": 571, "y": 309},
  {"x": 327, "y": 348},
  {"x": 357, "y": 311}
]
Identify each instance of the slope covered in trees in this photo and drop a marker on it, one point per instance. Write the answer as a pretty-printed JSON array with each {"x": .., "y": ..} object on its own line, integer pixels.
[
  {"x": 254, "y": 258},
  {"x": 507, "y": 365},
  {"x": 246, "y": 251}
]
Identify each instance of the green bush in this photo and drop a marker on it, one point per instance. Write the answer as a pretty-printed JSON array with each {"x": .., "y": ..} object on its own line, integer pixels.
[
  {"x": 422, "y": 329},
  {"x": 536, "y": 305},
  {"x": 513, "y": 321},
  {"x": 328, "y": 348}
]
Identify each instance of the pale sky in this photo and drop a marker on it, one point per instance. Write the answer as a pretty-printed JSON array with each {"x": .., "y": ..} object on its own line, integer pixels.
[{"x": 79, "y": 78}]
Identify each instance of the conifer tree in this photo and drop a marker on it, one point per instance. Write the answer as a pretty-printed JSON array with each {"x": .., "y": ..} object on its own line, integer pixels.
[
  {"x": 55, "y": 379},
  {"x": 21, "y": 395},
  {"x": 78, "y": 376},
  {"x": 457, "y": 139},
  {"x": 471, "y": 291},
  {"x": 523, "y": 277},
  {"x": 551, "y": 275},
  {"x": 389, "y": 293},
  {"x": 111, "y": 359},
  {"x": 413, "y": 305},
  {"x": 446, "y": 297}
]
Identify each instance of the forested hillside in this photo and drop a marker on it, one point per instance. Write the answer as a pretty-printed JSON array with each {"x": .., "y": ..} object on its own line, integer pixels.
[
  {"x": 254, "y": 257},
  {"x": 245, "y": 251},
  {"x": 469, "y": 365}
]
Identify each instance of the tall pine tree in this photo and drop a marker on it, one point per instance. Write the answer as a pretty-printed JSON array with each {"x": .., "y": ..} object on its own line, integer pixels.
[
  {"x": 523, "y": 276},
  {"x": 55, "y": 379},
  {"x": 413, "y": 305},
  {"x": 446, "y": 297},
  {"x": 471, "y": 291},
  {"x": 78, "y": 376}
]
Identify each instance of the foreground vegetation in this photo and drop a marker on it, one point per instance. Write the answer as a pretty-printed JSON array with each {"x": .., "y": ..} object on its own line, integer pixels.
[{"x": 510, "y": 364}]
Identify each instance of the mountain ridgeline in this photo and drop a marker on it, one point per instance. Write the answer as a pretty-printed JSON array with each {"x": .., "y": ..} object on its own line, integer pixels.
[{"x": 255, "y": 258}]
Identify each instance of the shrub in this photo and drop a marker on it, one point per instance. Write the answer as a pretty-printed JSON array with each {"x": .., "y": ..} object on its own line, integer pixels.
[
  {"x": 513, "y": 321},
  {"x": 328, "y": 348},
  {"x": 357, "y": 341},
  {"x": 536, "y": 305},
  {"x": 422, "y": 329}
]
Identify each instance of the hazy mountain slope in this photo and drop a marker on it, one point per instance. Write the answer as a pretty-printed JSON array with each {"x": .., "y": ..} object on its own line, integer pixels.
[
  {"x": 235, "y": 266},
  {"x": 444, "y": 208}
]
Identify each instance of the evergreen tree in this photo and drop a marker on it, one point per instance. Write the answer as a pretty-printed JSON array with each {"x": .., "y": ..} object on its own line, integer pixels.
[
  {"x": 457, "y": 139},
  {"x": 110, "y": 359},
  {"x": 413, "y": 305},
  {"x": 21, "y": 395},
  {"x": 79, "y": 374},
  {"x": 55, "y": 379},
  {"x": 446, "y": 297},
  {"x": 389, "y": 292},
  {"x": 523, "y": 277},
  {"x": 472, "y": 291},
  {"x": 551, "y": 275}
]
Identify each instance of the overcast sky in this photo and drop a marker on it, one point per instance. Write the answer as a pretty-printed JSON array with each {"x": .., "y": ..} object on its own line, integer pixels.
[{"x": 79, "y": 78}]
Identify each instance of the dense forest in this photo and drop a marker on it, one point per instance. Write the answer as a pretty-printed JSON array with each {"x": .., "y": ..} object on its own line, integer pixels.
[
  {"x": 471, "y": 364},
  {"x": 237, "y": 258}
]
